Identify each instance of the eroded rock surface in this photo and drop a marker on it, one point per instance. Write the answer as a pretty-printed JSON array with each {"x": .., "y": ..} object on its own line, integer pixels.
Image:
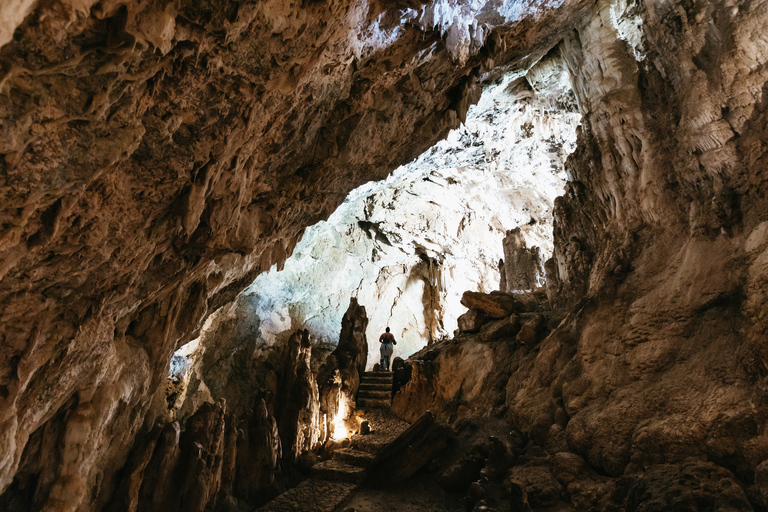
[{"x": 659, "y": 244}]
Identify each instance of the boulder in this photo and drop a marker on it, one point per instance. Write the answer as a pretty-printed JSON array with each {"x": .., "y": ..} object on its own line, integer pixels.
[
  {"x": 500, "y": 304},
  {"x": 472, "y": 320},
  {"x": 538, "y": 484},
  {"x": 410, "y": 451},
  {"x": 498, "y": 329},
  {"x": 460, "y": 475},
  {"x": 529, "y": 332}
]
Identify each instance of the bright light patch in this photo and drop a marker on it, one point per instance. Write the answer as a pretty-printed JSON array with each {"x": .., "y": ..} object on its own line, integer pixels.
[{"x": 339, "y": 427}]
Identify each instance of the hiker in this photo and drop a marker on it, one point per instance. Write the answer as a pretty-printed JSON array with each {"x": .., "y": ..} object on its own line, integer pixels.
[{"x": 387, "y": 341}]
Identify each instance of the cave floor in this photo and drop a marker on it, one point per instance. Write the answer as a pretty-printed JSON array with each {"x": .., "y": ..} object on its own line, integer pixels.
[{"x": 419, "y": 494}]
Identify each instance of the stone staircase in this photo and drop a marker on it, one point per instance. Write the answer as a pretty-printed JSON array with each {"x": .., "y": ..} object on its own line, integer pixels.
[
  {"x": 375, "y": 390},
  {"x": 332, "y": 481}
]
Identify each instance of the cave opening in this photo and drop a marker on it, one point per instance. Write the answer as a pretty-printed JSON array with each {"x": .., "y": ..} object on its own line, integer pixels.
[{"x": 407, "y": 247}]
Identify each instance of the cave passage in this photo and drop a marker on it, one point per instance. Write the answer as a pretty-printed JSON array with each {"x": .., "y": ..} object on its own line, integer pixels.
[
  {"x": 210, "y": 210},
  {"x": 407, "y": 247}
]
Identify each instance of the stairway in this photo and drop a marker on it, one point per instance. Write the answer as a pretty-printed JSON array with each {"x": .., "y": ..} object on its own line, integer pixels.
[
  {"x": 332, "y": 481},
  {"x": 375, "y": 390}
]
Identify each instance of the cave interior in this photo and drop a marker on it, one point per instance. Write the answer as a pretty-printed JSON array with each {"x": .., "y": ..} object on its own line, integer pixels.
[{"x": 210, "y": 210}]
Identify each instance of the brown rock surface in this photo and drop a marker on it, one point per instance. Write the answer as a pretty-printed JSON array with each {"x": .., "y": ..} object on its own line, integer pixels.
[
  {"x": 158, "y": 155},
  {"x": 410, "y": 451},
  {"x": 472, "y": 320},
  {"x": 504, "y": 328},
  {"x": 522, "y": 265},
  {"x": 500, "y": 304}
]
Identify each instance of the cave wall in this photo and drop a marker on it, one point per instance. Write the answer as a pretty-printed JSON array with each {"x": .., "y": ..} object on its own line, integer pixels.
[
  {"x": 657, "y": 363},
  {"x": 661, "y": 237}
]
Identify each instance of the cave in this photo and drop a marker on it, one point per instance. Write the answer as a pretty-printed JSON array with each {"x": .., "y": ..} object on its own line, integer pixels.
[{"x": 211, "y": 209}]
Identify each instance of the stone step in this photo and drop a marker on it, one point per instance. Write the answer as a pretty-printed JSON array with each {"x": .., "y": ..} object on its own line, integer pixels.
[
  {"x": 374, "y": 402},
  {"x": 312, "y": 495},
  {"x": 376, "y": 379},
  {"x": 338, "y": 471},
  {"x": 374, "y": 393},
  {"x": 375, "y": 386},
  {"x": 377, "y": 375},
  {"x": 353, "y": 457}
]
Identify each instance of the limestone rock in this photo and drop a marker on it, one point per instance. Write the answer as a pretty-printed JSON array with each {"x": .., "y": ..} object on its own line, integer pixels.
[
  {"x": 494, "y": 304},
  {"x": 298, "y": 417},
  {"x": 410, "y": 451},
  {"x": 523, "y": 266},
  {"x": 504, "y": 328},
  {"x": 340, "y": 376},
  {"x": 670, "y": 487},
  {"x": 530, "y": 329},
  {"x": 460, "y": 475},
  {"x": 472, "y": 320},
  {"x": 540, "y": 487}
]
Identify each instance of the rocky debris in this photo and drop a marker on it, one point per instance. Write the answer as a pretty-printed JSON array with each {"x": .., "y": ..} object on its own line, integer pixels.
[
  {"x": 460, "y": 475},
  {"x": 500, "y": 315},
  {"x": 498, "y": 329},
  {"x": 472, "y": 320},
  {"x": 500, "y": 304},
  {"x": 531, "y": 328},
  {"x": 413, "y": 449},
  {"x": 540, "y": 488},
  {"x": 523, "y": 266}
]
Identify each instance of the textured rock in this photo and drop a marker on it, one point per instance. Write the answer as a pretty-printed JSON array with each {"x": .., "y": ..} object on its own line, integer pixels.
[
  {"x": 504, "y": 328},
  {"x": 472, "y": 320},
  {"x": 156, "y": 156},
  {"x": 340, "y": 376},
  {"x": 523, "y": 266},
  {"x": 410, "y": 451},
  {"x": 531, "y": 328},
  {"x": 500, "y": 304}
]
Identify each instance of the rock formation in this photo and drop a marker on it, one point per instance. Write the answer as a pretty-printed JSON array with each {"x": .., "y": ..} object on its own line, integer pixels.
[
  {"x": 659, "y": 248},
  {"x": 157, "y": 156},
  {"x": 340, "y": 376},
  {"x": 522, "y": 267}
]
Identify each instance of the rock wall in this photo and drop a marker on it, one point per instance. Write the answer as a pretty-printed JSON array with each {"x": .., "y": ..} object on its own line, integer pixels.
[
  {"x": 156, "y": 156},
  {"x": 657, "y": 371}
]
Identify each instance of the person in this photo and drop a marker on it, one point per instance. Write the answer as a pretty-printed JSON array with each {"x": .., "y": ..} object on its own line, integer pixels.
[{"x": 388, "y": 342}]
